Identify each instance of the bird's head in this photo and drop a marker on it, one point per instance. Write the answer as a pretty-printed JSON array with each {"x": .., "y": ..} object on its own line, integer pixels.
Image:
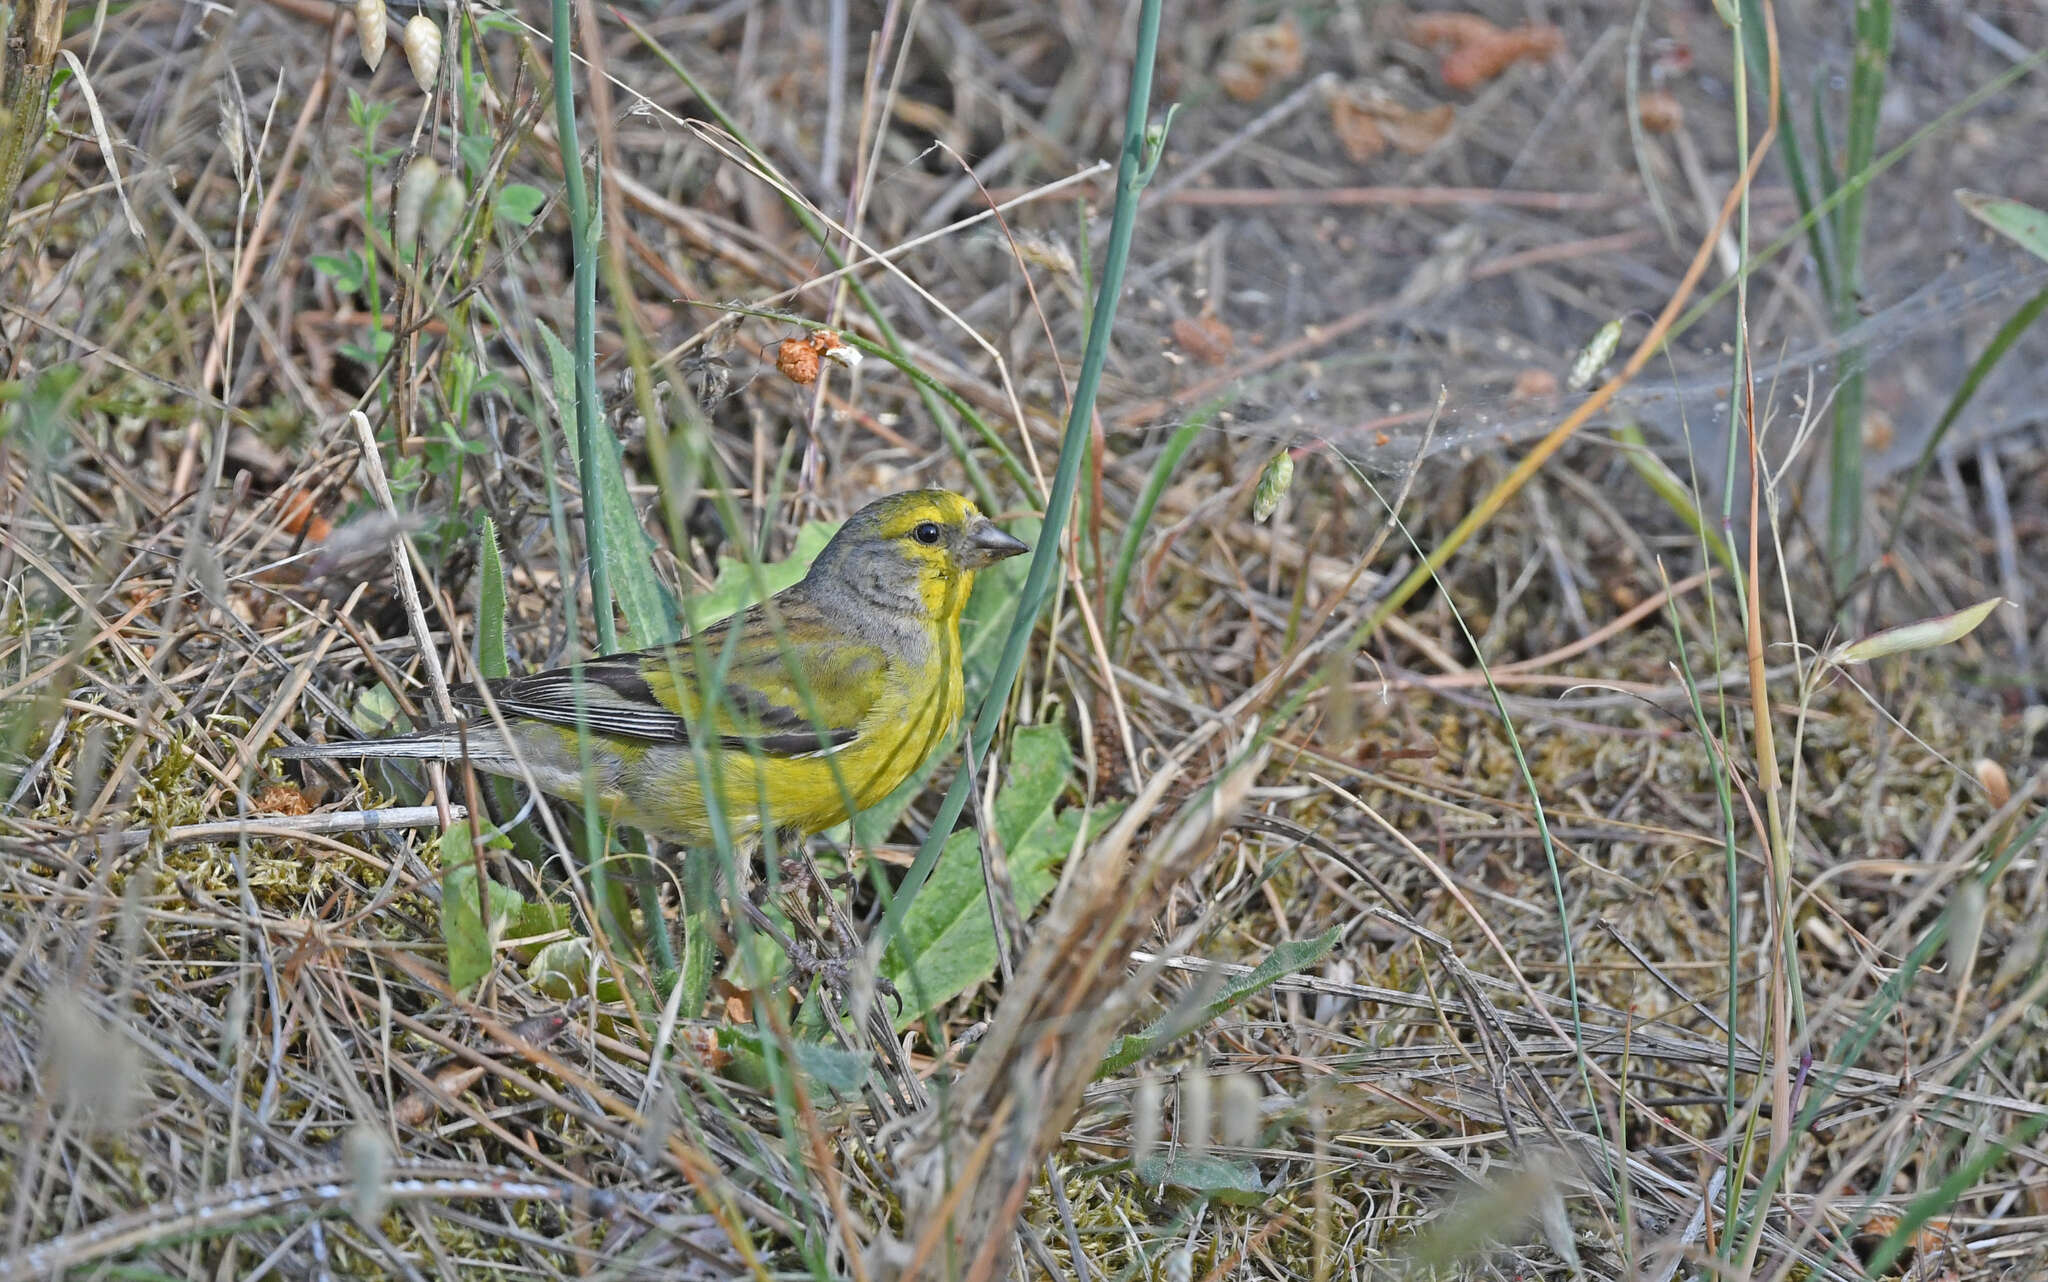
[{"x": 927, "y": 542}]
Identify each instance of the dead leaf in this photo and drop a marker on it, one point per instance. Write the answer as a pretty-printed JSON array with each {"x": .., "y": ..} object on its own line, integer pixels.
[
  {"x": 300, "y": 518},
  {"x": 1358, "y": 131},
  {"x": 1455, "y": 30},
  {"x": 1473, "y": 64},
  {"x": 1205, "y": 338},
  {"x": 1258, "y": 56},
  {"x": 1365, "y": 120}
]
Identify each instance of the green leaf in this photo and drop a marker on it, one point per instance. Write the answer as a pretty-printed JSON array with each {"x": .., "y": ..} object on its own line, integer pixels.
[
  {"x": 832, "y": 1067},
  {"x": 2022, "y": 223},
  {"x": 649, "y": 607},
  {"x": 366, "y": 114},
  {"x": 542, "y": 918},
  {"x": 490, "y": 624},
  {"x": 1284, "y": 960},
  {"x": 570, "y": 968},
  {"x": 947, "y": 944},
  {"x": 1202, "y": 1173},
  {"x": 472, "y": 934},
  {"x": 519, "y": 202},
  {"x": 376, "y": 713},
  {"x": 345, "y": 269},
  {"x": 733, "y": 589},
  {"x": 474, "y": 150}
]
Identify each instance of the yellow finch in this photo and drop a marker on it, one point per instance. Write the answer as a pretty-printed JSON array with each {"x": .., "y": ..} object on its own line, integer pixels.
[{"x": 809, "y": 706}]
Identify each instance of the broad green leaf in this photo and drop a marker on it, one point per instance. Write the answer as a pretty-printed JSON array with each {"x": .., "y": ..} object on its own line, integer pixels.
[
  {"x": 2025, "y": 225},
  {"x": 832, "y": 1067},
  {"x": 948, "y": 942},
  {"x": 733, "y": 589},
  {"x": 519, "y": 202},
  {"x": 542, "y": 918},
  {"x": 346, "y": 269},
  {"x": 1203, "y": 1173},
  {"x": 570, "y": 968},
  {"x": 1285, "y": 959},
  {"x": 472, "y": 934},
  {"x": 649, "y": 607},
  {"x": 490, "y": 623},
  {"x": 475, "y": 151}
]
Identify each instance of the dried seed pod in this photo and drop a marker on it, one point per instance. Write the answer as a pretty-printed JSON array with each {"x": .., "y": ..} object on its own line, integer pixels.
[
  {"x": 414, "y": 190},
  {"x": 372, "y": 27},
  {"x": 422, "y": 41},
  {"x": 1047, "y": 253},
  {"x": 1967, "y": 908},
  {"x": 797, "y": 360},
  {"x": 1237, "y": 1109},
  {"x": 1996, "y": 784},
  {"x": 1197, "y": 1111},
  {"x": 444, "y": 213},
  {"x": 1925, "y": 634},
  {"x": 1148, "y": 1107},
  {"x": 366, "y": 1156}
]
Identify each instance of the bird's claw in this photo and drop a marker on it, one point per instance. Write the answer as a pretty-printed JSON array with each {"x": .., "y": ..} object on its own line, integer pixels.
[{"x": 838, "y": 972}]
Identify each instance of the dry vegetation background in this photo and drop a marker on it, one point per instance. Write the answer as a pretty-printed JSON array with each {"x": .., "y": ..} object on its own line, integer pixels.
[{"x": 1518, "y": 1014}]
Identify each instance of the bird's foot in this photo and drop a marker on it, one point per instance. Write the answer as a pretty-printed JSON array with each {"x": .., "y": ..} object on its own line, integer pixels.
[{"x": 841, "y": 973}]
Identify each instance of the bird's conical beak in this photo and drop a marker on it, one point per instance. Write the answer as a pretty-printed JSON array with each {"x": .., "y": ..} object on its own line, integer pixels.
[{"x": 987, "y": 544}]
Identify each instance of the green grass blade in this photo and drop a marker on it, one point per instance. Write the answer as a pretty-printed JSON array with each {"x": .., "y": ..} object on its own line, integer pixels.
[
  {"x": 1141, "y": 516},
  {"x": 1994, "y": 351},
  {"x": 1134, "y": 169}
]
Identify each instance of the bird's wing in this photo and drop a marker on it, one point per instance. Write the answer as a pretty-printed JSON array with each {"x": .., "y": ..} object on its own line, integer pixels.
[{"x": 759, "y": 705}]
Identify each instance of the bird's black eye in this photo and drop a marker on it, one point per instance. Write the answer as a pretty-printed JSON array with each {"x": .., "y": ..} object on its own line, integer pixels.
[{"x": 927, "y": 532}]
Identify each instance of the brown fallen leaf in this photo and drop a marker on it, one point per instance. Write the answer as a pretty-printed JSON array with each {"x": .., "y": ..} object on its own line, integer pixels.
[
  {"x": 1358, "y": 130},
  {"x": 1365, "y": 120},
  {"x": 1455, "y": 30},
  {"x": 1205, "y": 338},
  {"x": 1258, "y": 56},
  {"x": 1473, "y": 64},
  {"x": 301, "y": 518}
]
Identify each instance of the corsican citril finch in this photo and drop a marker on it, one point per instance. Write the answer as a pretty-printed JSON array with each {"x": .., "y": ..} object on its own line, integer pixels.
[{"x": 807, "y": 707}]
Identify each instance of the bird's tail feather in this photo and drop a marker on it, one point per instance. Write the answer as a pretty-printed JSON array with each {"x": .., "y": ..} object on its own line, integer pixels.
[{"x": 428, "y": 745}]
